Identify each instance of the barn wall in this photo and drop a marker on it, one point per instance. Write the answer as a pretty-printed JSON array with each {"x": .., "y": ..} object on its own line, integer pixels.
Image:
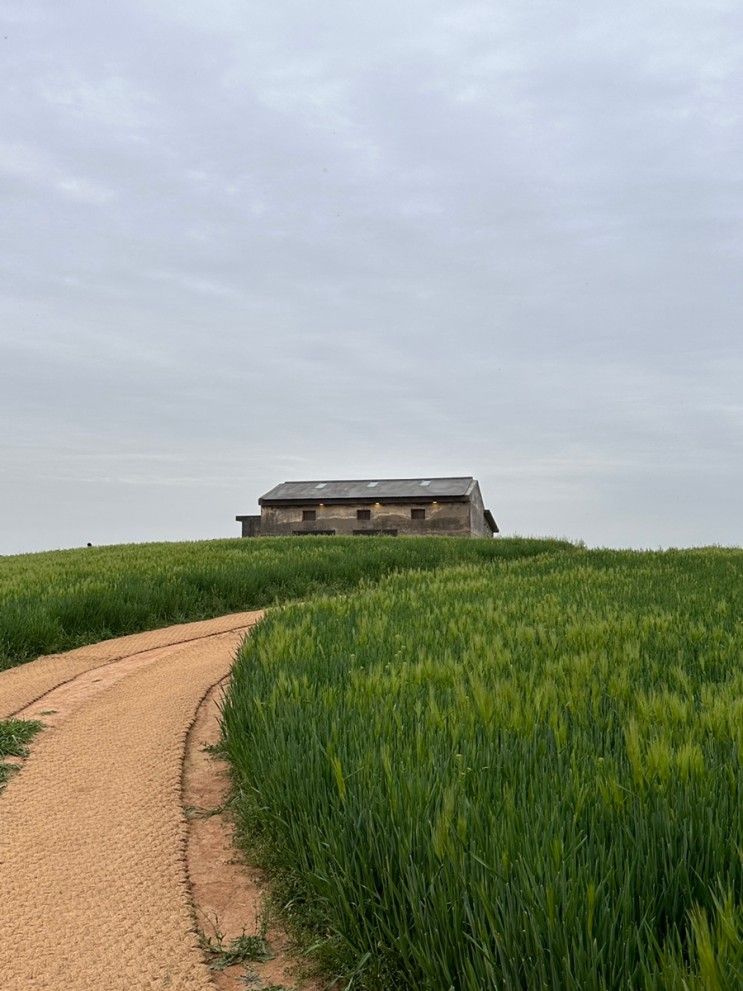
[
  {"x": 251, "y": 525},
  {"x": 477, "y": 514},
  {"x": 443, "y": 518}
]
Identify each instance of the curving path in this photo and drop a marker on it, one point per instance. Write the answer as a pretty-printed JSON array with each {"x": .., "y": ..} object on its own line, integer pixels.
[{"x": 94, "y": 891}]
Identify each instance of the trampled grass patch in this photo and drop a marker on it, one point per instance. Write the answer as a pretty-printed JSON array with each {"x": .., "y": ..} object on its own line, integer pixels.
[
  {"x": 518, "y": 775},
  {"x": 63, "y": 599}
]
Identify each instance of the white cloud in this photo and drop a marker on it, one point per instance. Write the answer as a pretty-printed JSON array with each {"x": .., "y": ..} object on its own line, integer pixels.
[
  {"x": 34, "y": 167},
  {"x": 111, "y": 102},
  {"x": 84, "y": 190}
]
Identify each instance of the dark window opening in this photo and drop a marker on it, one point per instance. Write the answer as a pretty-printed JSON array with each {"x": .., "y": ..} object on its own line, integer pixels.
[
  {"x": 418, "y": 514},
  {"x": 375, "y": 533},
  {"x": 308, "y": 515},
  {"x": 313, "y": 533},
  {"x": 363, "y": 514}
]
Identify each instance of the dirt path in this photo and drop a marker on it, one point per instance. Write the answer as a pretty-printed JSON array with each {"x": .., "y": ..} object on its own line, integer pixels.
[{"x": 94, "y": 890}]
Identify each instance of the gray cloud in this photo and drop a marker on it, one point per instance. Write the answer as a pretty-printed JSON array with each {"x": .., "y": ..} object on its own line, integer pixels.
[{"x": 258, "y": 242}]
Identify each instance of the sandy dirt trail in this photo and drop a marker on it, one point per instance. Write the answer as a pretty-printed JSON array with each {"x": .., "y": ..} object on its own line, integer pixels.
[{"x": 94, "y": 891}]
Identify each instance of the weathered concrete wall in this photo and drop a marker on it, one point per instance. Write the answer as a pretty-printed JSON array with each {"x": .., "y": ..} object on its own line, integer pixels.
[
  {"x": 477, "y": 514},
  {"x": 251, "y": 525},
  {"x": 442, "y": 518}
]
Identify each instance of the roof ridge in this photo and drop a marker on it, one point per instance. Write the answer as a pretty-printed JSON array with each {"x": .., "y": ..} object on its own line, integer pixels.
[{"x": 378, "y": 478}]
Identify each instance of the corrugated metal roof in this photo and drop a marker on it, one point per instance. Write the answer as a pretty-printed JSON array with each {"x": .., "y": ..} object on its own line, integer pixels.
[{"x": 372, "y": 488}]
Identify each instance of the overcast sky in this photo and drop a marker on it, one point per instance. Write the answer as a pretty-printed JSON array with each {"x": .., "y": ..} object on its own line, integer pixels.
[{"x": 247, "y": 242}]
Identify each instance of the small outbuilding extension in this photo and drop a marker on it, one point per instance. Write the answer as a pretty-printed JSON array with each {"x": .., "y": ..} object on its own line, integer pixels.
[{"x": 450, "y": 507}]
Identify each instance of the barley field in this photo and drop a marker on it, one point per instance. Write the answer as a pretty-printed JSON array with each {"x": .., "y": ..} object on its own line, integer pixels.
[
  {"x": 63, "y": 599},
  {"x": 513, "y": 774}
]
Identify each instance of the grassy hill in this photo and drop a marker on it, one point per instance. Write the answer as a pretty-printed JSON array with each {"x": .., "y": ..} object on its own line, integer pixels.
[{"x": 62, "y": 599}]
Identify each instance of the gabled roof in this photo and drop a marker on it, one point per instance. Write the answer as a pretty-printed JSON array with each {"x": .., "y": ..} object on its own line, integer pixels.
[{"x": 373, "y": 489}]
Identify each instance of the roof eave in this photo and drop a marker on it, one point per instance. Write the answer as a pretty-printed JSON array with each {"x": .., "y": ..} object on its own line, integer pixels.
[{"x": 490, "y": 520}]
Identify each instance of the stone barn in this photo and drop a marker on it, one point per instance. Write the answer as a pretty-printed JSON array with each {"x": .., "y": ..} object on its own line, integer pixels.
[{"x": 451, "y": 507}]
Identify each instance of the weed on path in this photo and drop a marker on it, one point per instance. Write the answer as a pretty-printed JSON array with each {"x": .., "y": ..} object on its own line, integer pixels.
[{"x": 15, "y": 735}]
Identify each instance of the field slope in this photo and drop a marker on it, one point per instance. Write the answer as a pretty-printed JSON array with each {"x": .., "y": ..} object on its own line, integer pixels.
[
  {"x": 518, "y": 774},
  {"x": 63, "y": 599}
]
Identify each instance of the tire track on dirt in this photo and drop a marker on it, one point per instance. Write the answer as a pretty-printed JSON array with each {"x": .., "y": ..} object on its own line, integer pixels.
[{"x": 26, "y": 683}]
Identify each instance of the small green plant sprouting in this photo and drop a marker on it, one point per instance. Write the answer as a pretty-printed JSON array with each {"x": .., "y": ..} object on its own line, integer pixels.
[
  {"x": 221, "y": 953},
  {"x": 196, "y": 812},
  {"x": 252, "y": 980},
  {"x": 214, "y": 749}
]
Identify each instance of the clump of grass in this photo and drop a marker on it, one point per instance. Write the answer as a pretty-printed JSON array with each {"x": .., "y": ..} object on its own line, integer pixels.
[
  {"x": 221, "y": 953},
  {"x": 520, "y": 775},
  {"x": 214, "y": 749},
  {"x": 196, "y": 812},
  {"x": 15, "y": 735}
]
